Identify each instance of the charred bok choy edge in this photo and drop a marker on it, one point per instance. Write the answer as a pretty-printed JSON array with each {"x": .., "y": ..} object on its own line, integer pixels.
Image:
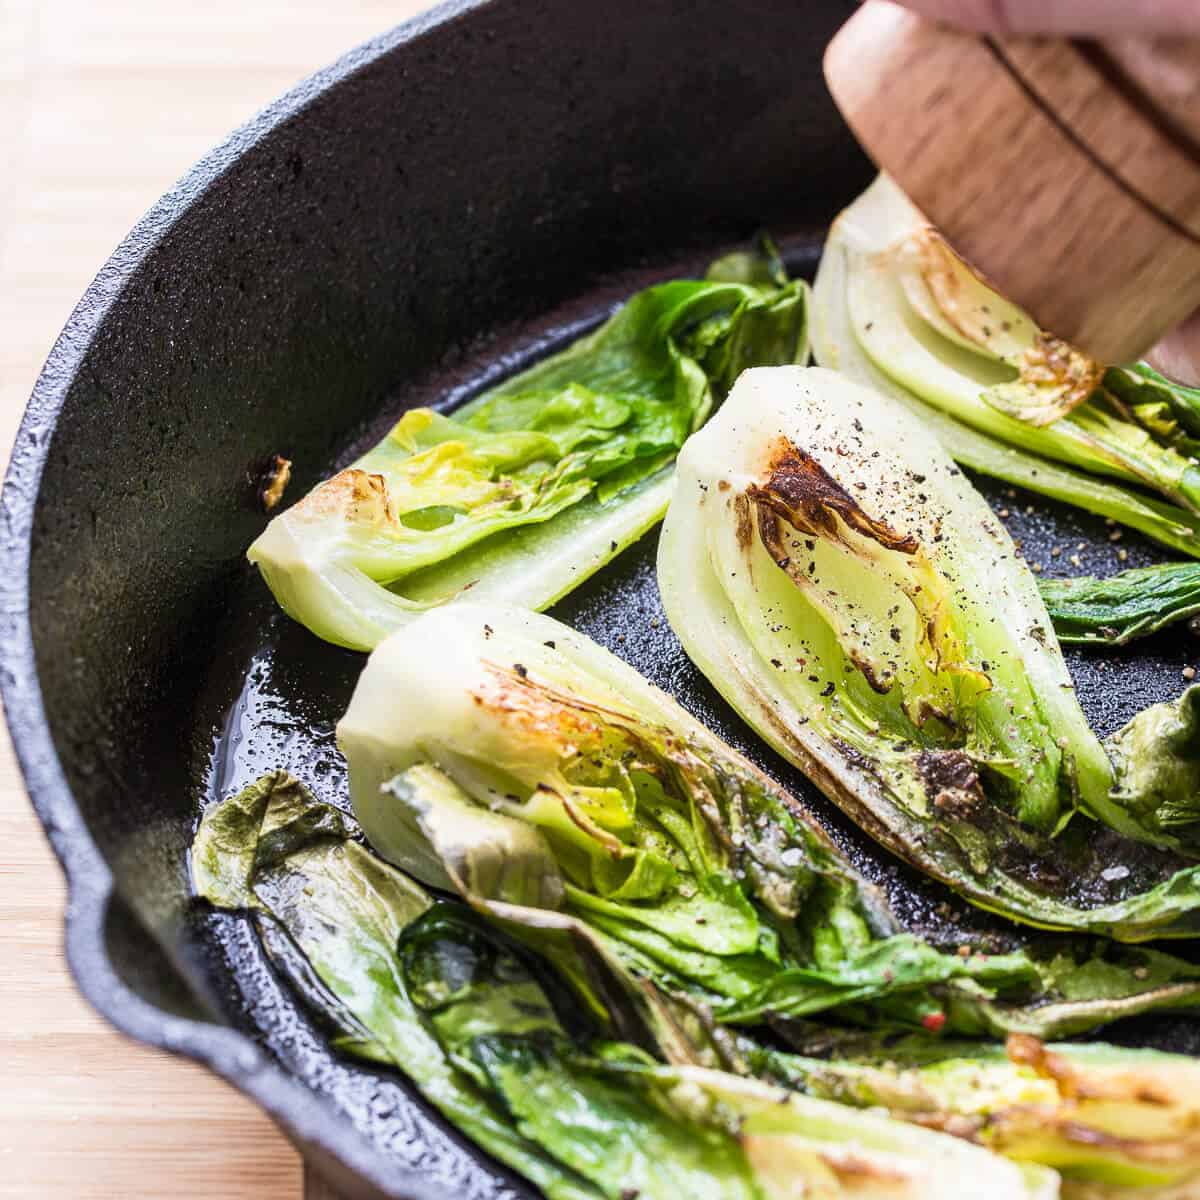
[
  {"x": 1101, "y": 1115},
  {"x": 894, "y": 309},
  {"x": 483, "y": 1031},
  {"x": 527, "y": 490},
  {"x": 500, "y": 755},
  {"x": 841, "y": 583}
]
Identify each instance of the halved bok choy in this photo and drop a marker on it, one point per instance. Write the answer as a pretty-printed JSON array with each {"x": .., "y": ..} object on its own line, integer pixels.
[
  {"x": 1113, "y": 1121},
  {"x": 896, "y": 309},
  {"x": 499, "y": 755},
  {"x": 839, "y": 580},
  {"x": 527, "y": 490},
  {"x": 490, "y": 1038}
]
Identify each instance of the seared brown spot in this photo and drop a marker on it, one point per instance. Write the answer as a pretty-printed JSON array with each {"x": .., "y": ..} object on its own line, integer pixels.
[
  {"x": 1028, "y": 1051},
  {"x": 571, "y": 725},
  {"x": 877, "y": 682},
  {"x": 950, "y": 781},
  {"x": 1012, "y": 1127},
  {"x": 965, "y": 1128},
  {"x": 853, "y": 1169},
  {"x": 926, "y": 711},
  {"x": 354, "y": 494},
  {"x": 805, "y": 495},
  {"x": 1160, "y": 1152},
  {"x": 937, "y": 269},
  {"x": 743, "y": 522},
  {"x": 1054, "y": 364}
]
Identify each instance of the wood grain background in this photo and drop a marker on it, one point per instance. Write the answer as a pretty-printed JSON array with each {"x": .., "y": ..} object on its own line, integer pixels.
[{"x": 103, "y": 105}]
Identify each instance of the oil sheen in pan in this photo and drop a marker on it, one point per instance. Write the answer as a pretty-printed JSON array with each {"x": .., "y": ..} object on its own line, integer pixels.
[{"x": 277, "y": 692}]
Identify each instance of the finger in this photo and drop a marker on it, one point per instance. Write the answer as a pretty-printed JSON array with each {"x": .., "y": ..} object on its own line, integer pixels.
[
  {"x": 1177, "y": 356},
  {"x": 1070, "y": 18}
]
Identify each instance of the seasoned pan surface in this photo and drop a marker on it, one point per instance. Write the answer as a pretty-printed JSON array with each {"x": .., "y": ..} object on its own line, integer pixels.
[{"x": 440, "y": 208}]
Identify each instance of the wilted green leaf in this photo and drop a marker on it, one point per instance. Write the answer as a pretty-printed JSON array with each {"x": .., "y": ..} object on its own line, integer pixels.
[
  {"x": 1122, "y": 607},
  {"x": 1157, "y": 760},
  {"x": 478, "y": 1025}
]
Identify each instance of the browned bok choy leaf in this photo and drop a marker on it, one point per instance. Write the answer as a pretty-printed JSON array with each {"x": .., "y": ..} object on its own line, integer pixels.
[
  {"x": 500, "y": 755},
  {"x": 1114, "y": 1122},
  {"x": 839, "y": 580}
]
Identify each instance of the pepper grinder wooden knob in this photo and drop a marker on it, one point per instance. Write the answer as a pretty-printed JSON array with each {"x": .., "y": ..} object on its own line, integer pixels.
[{"x": 1066, "y": 172}]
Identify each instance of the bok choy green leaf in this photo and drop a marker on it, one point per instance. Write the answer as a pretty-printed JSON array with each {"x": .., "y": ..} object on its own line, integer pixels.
[
  {"x": 1129, "y": 605},
  {"x": 893, "y": 308},
  {"x": 497, "y": 754},
  {"x": 838, "y": 579},
  {"x": 483, "y": 1031},
  {"x": 528, "y": 489},
  {"x": 1169, "y": 409}
]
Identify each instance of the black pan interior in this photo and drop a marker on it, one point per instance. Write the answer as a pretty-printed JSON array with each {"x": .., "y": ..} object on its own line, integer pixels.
[{"x": 439, "y": 209}]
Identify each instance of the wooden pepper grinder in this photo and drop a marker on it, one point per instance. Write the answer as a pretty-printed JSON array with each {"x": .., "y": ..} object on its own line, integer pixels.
[{"x": 1067, "y": 172}]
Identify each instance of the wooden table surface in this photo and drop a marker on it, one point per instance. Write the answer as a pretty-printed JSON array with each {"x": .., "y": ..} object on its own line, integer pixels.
[{"x": 103, "y": 105}]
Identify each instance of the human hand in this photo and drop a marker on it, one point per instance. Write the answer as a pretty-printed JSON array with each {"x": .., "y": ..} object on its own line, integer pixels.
[
  {"x": 1178, "y": 354},
  {"x": 1069, "y": 18}
]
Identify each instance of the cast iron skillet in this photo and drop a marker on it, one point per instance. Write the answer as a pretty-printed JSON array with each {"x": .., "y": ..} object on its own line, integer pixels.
[{"x": 440, "y": 206}]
